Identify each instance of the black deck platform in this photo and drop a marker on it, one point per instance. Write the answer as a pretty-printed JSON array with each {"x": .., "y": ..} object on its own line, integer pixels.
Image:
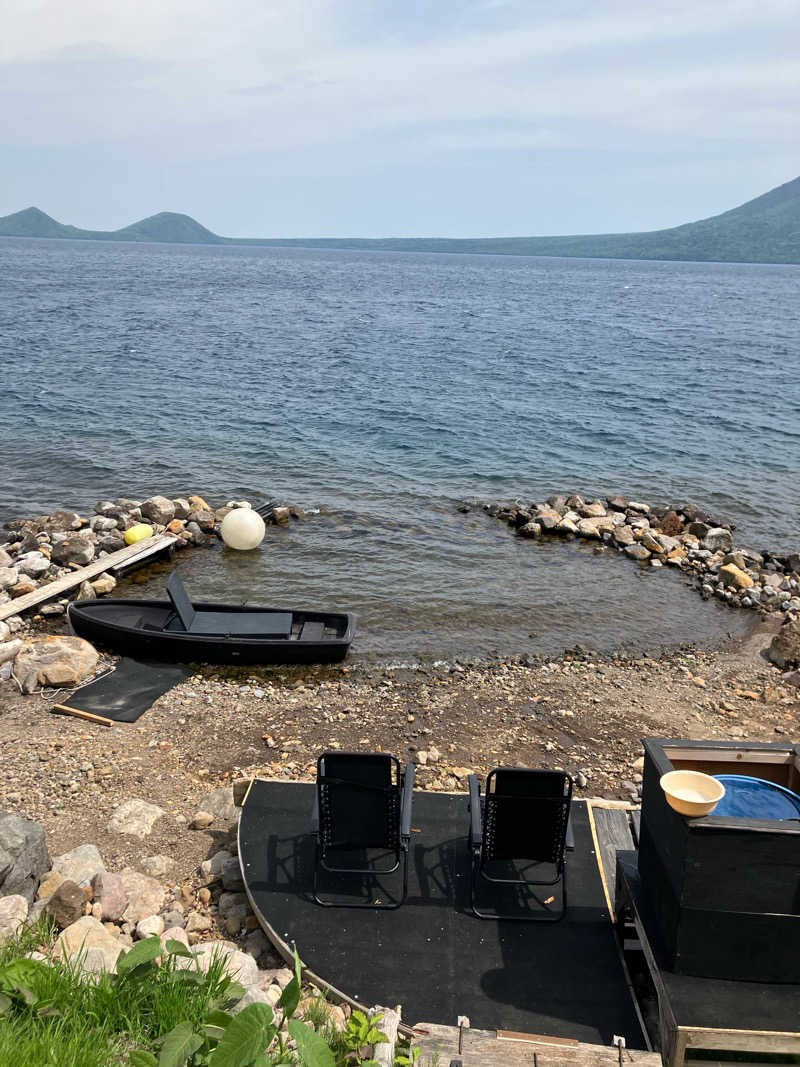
[
  {"x": 432, "y": 955},
  {"x": 707, "y": 1013}
]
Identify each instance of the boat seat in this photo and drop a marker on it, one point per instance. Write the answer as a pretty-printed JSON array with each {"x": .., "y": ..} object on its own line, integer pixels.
[
  {"x": 242, "y": 623},
  {"x": 312, "y": 631},
  {"x": 220, "y": 623}
]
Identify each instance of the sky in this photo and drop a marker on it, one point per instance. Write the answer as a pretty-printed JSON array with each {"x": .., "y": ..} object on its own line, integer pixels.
[{"x": 298, "y": 118}]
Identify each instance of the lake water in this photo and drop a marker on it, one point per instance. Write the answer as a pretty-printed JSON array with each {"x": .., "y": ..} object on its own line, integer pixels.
[{"x": 382, "y": 388}]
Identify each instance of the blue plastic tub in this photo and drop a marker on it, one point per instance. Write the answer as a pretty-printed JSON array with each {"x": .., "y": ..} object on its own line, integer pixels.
[{"x": 755, "y": 798}]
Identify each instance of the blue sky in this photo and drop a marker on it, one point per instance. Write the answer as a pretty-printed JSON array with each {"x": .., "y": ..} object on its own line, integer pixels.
[{"x": 360, "y": 118}]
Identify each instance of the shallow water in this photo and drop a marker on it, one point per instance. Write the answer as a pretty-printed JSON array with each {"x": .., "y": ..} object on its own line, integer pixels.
[{"x": 383, "y": 388}]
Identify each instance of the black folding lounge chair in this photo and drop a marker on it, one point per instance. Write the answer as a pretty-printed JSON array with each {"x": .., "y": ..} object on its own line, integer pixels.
[
  {"x": 525, "y": 821},
  {"x": 361, "y": 807},
  {"x": 238, "y": 623}
]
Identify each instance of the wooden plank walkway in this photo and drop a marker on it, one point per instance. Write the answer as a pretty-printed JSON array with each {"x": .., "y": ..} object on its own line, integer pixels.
[
  {"x": 611, "y": 830},
  {"x": 125, "y": 556},
  {"x": 500, "y": 1048}
]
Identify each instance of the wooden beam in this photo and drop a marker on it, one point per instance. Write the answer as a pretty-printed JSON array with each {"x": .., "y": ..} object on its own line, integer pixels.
[{"x": 129, "y": 554}]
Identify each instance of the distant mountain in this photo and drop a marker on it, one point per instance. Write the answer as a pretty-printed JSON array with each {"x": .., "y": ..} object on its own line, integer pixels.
[{"x": 764, "y": 230}]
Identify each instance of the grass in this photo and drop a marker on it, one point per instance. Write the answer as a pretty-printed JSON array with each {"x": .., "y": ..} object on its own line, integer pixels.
[{"x": 65, "y": 1020}]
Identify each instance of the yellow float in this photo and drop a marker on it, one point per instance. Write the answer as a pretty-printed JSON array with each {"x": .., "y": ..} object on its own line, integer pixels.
[{"x": 140, "y": 532}]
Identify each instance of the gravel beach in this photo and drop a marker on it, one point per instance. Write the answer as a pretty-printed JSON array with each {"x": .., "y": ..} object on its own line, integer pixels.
[{"x": 582, "y": 712}]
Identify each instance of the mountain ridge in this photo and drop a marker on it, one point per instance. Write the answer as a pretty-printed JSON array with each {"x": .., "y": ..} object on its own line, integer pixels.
[{"x": 763, "y": 230}]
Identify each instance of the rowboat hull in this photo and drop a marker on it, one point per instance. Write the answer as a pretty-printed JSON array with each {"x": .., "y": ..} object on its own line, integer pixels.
[{"x": 147, "y": 629}]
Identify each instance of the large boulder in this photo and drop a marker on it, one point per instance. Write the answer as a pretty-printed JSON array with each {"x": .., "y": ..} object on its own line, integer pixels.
[
  {"x": 33, "y": 564},
  {"x": 79, "y": 548},
  {"x": 784, "y": 651},
  {"x": 54, "y": 661},
  {"x": 718, "y": 539},
  {"x": 23, "y": 856},
  {"x": 158, "y": 509}
]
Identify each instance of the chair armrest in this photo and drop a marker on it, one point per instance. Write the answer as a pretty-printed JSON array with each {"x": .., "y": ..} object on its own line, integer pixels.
[
  {"x": 315, "y": 814},
  {"x": 476, "y": 820},
  {"x": 570, "y": 837},
  {"x": 407, "y": 798}
]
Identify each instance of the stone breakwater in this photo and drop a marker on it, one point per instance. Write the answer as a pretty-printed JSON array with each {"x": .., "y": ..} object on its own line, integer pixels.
[
  {"x": 681, "y": 536},
  {"x": 36, "y": 551}
]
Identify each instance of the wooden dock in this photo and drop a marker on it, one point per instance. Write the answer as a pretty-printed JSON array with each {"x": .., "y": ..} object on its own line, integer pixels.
[{"x": 114, "y": 561}]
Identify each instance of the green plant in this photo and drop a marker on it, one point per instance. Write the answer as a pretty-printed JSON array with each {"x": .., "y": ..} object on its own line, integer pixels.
[{"x": 361, "y": 1035}]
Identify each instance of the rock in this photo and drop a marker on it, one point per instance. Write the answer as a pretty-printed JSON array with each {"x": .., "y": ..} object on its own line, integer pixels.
[
  {"x": 173, "y": 919},
  {"x": 157, "y": 866},
  {"x": 109, "y": 891},
  {"x": 201, "y": 821},
  {"x": 34, "y": 565},
  {"x": 212, "y": 868},
  {"x": 135, "y": 817},
  {"x": 80, "y": 865},
  {"x": 145, "y": 895},
  {"x": 718, "y": 539},
  {"x": 23, "y": 587},
  {"x": 63, "y": 522},
  {"x": 637, "y": 552},
  {"x": 638, "y": 507},
  {"x": 671, "y": 524},
  {"x": 104, "y": 584},
  {"x": 617, "y": 503},
  {"x": 220, "y": 804},
  {"x": 197, "y": 922},
  {"x": 78, "y": 549},
  {"x": 85, "y": 592},
  {"x": 232, "y": 875},
  {"x": 49, "y": 884},
  {"x": 650, "y": 543},
  {"x": 5, "y": 631},
  {"x": 158, "y": 509},
  {"x": 66, "y": 905},
  {"x": 110, "y": 542},
  {"x": 234, "y": 906},
  {"x": 253, "y": 994},
  {"x": 23, "y": 856},
  {"x": 182, "y": 508},
  {"x": 9, "y": 650},
  {"x": 530, "y": 529},
  {"x": 623, "y": 536},
  {"x": 9, "y": 576},
  {"x": 13, "y": 913},
  {"x": 592, "y": 511},
  {"x": 240, "y": 966},
  {"x": 54, "y": 661},
  {"x": 175, "y": 933},
  {"x": 204, "y": 519},
  {"x": 730, "y": 574},
  {"x": 784, "y": 651},
  {"x": 153, "y": 924},
  {"x": 256, "y": 944},
  {"x": 89, "y": 936}
]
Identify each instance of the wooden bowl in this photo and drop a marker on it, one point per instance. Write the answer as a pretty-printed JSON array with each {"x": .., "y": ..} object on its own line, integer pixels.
[{"x": 692, "y": 792}]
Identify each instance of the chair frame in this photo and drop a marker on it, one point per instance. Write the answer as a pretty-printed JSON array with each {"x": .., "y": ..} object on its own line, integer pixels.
[
  {"x": 405, "y": 788},
  {"x": 479, "y": 851}
]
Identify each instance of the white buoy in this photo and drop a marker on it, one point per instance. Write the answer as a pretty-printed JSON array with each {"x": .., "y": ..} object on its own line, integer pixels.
[{"x": 243, "y": 529}]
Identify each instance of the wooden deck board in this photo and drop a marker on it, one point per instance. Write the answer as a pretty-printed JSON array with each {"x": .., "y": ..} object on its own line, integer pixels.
[
  {"x": 612, "y": 832},
  {"x": 491, "y": 1048},
  {"x": 125, "y": 556}
]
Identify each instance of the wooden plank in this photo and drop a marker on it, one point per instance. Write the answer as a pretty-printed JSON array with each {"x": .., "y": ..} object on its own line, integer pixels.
[
  {"x": 489, "y": 1048},
  {"x": 611, "y": 831},
  {"x": 65, "y": 710},
  {"x": 383, "y": 1053},
  {"x": 131, "y": 553}
]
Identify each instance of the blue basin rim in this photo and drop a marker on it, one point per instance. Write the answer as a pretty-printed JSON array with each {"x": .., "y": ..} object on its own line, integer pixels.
[{"x": 755, "y": 798}]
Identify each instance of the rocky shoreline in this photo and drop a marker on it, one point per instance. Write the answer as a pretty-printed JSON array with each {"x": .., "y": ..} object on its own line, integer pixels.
[
  {"x": 37, "y": 551},
  {"x": 681, "y": 535}
]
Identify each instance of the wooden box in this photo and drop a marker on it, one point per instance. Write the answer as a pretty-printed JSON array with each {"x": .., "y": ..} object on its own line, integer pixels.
[{"x": 724, "y": 891}]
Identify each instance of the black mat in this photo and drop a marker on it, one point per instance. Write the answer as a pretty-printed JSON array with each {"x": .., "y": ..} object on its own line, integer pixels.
[
  {"x": 432, "y": 955},
  {"x": 127, "y": 692},
  {"x": 711, "y": 1003}
]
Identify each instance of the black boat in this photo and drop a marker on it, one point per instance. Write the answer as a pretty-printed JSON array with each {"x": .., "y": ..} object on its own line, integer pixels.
[{"x": 177, "y": 630}]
